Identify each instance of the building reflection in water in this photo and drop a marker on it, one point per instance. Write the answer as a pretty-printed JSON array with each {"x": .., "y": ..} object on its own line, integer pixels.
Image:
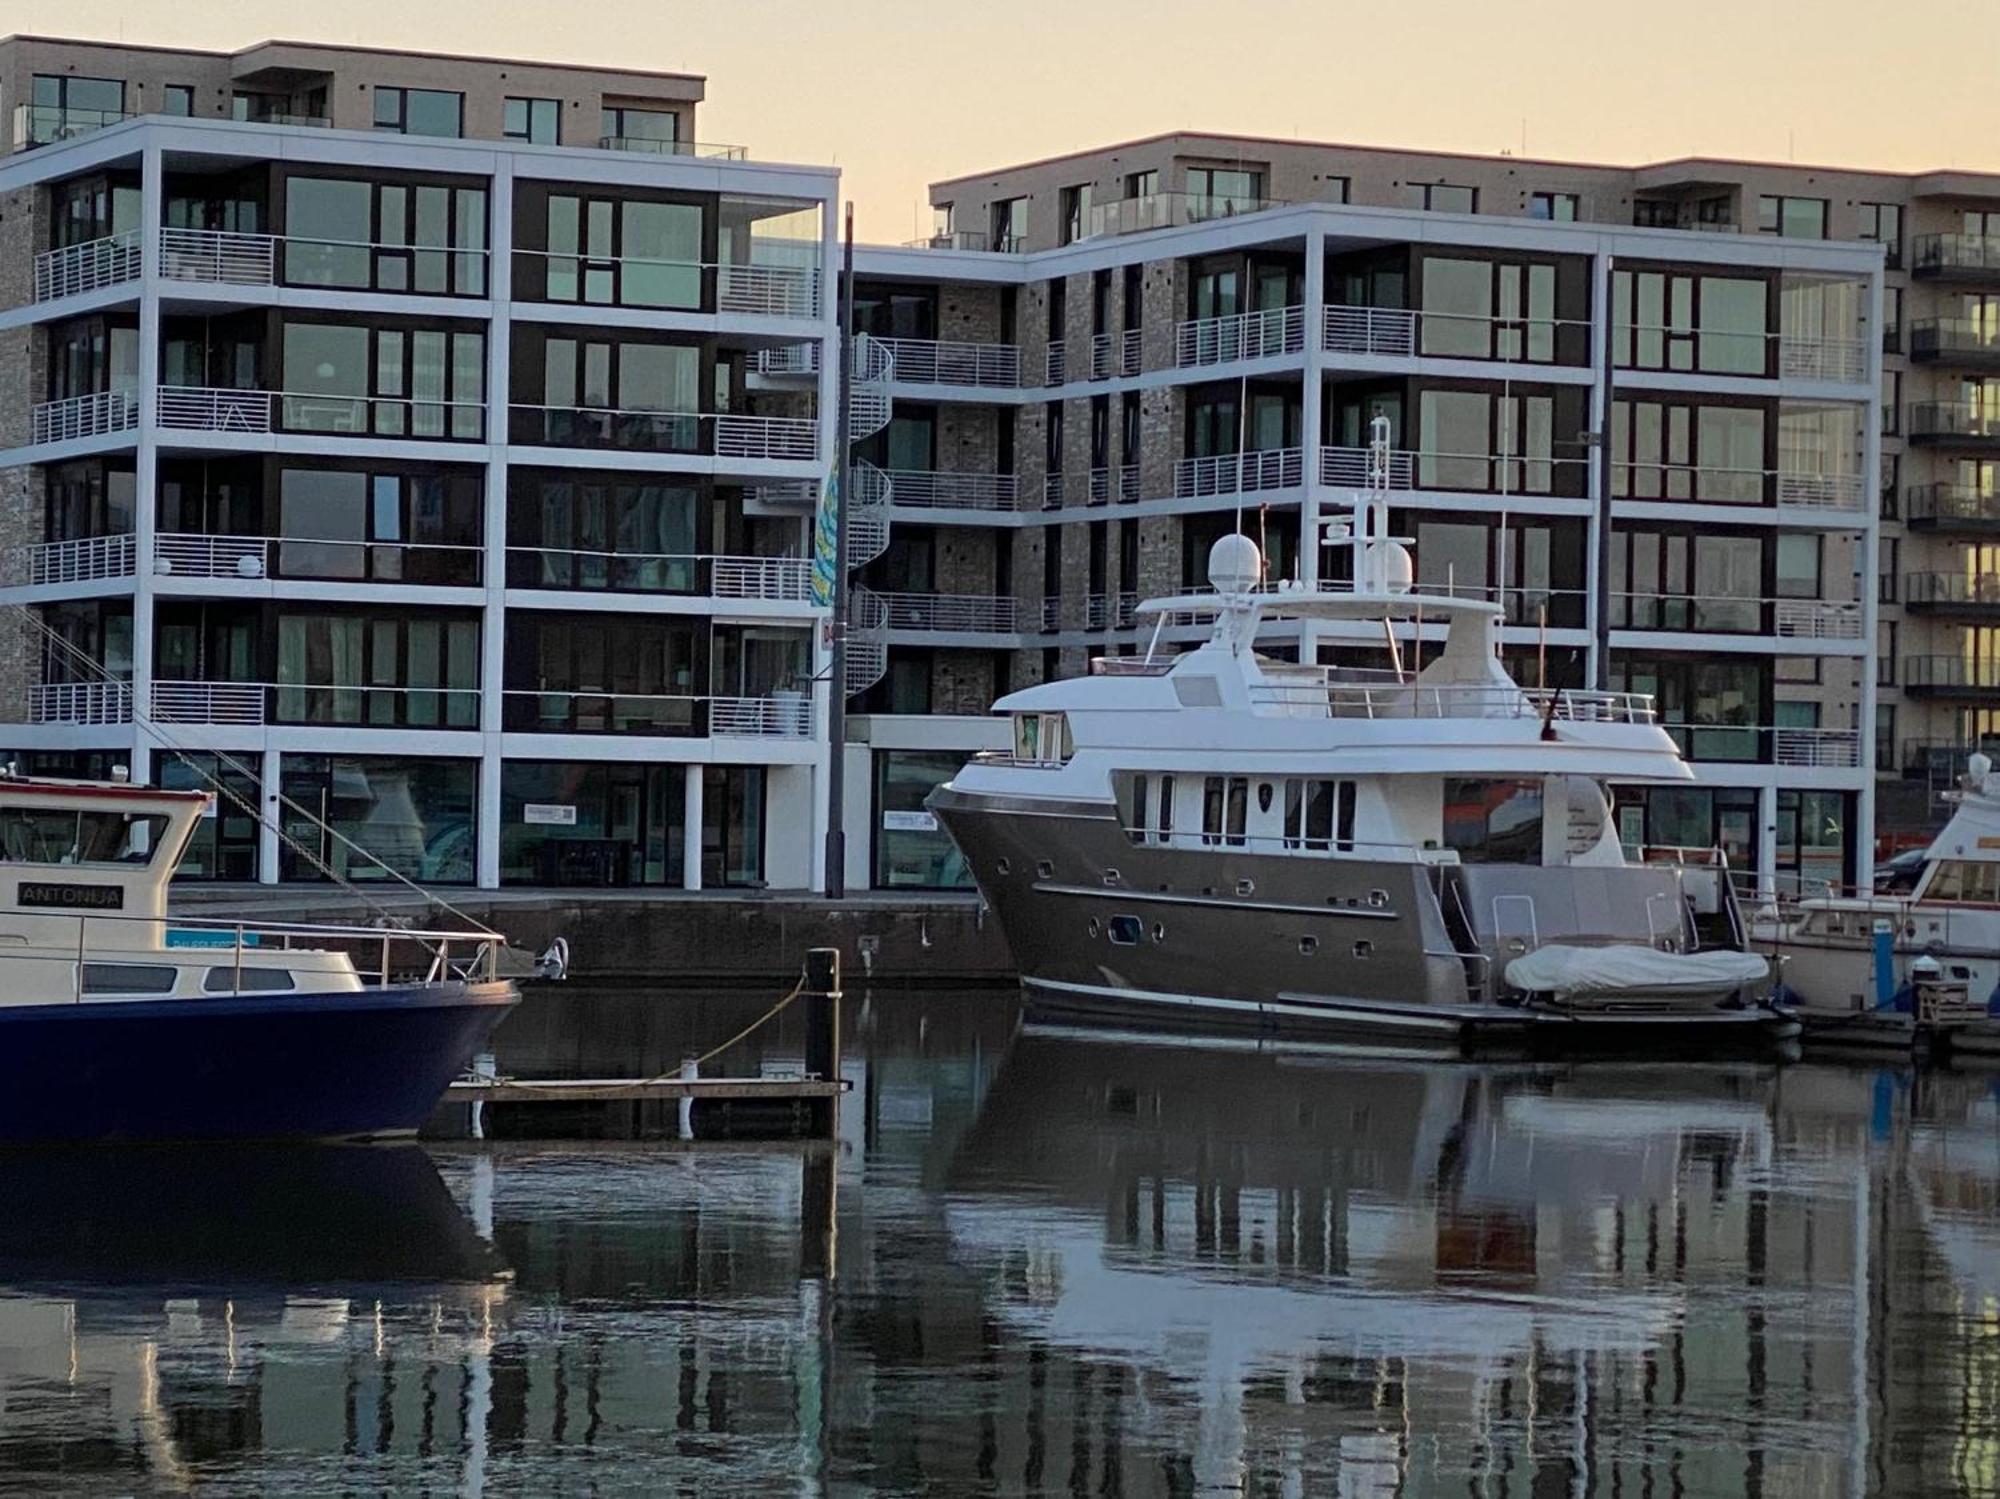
[{"x": 1045, "y": 1262}]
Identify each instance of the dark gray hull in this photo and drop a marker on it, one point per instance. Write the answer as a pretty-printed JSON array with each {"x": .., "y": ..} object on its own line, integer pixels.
[{"x": 1102, "y": 927}]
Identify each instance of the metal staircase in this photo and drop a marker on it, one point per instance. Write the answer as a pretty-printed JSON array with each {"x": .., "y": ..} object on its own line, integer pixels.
[{"x": 868, "y": 412}]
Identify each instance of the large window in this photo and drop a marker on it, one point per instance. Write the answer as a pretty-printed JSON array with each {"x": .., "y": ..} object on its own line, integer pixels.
[
  {"x": 1559, "y": 208},
  {"x": 599, "y": 394},
  {"x": 606, "y": 674},
  {"x": 385, "y": 236},
  {"x": 911, "y": 850},
  {"x": 413, "y": 671},
  {"x": 1498, "y": 442},
  {"x": 88, "y": 208},
  {"x": 91, "y": 355},
  {"x": 88, "y": 497},
  {"x": 590, "y": 823},
  {"x": 1883, "y": 223},
  {"x": 1712, "y": 706},
  {"x": 535, "y": 120},
  {"x": 1488, "y": 309},
  {"x": 1665, "y": 320},
  {"x": 63, "y": 105},
  {"x": 600, "y": 532},
  {"x": 1681, "y": 581},
  {"x": 224, "y": 843},
  {"x": 618, "y": 252},
  {"x": 417, "y": 816},
  {"x": 1075, "y": 212},
  {"x": 1493, "y": 822},
  {"x": 1010, "y": 225},
  {"x": 640, "y": 129},
  {"x": 1793, "y": 218},
  {"x": 390, "y": 382},
  {"x": 419, "y": 111},
  {"x": 1441, "y": 197},
  {"x": 1670, "y": 450},
  {"x": 1217, "y": 192},
  {"x": 409, "y": 527}
]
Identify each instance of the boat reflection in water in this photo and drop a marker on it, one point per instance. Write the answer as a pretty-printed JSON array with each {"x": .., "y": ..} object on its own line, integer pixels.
[{"x": 1065, "y": 1263}]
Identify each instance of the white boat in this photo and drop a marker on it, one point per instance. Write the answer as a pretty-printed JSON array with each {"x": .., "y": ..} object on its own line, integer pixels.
[
  {"x": 1227, "y": 837},
  {"x": 120, "y": 1022},
  {"x": 1920, "y": 970}
]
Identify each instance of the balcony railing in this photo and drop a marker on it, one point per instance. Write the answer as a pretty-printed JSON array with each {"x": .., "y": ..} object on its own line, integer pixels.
[
  {"x": 1398, "y": 332},
  {"x": 1110, "y": 611},
  {"x": 930, "y": 489},
  {"x": 46, "y": 124},
  {"x": 782, "y": 715},
  {"x": 1720, "y": 484},
  {"x": 1246, "y": 335},
  {"x": 1055, "y": 362},
  {"x": 1478, "y": 473},
  {"x": 783, "y": 579},
  {"x": 951, "y": 239},
  {"x": 1369, "y": 330},
  {"x": 210, "y": 702},
  {"x": 1238, "y": 473},
  {"x": 930, "y": 361},
  {"x": 1052, "y": 491},
  {"x": 208, "y": 409},
  {"x": 1755, "y": 744},
  {"x": 648, "y": 146},
  {"x": 726, "y": 436},
  {"x": 1169, "y": 210},
  {"x": 1816, "y": 619},
  {"x": 96, "y": 263},
  {"x": 985, "y": 613},
  {"x": 86, "y": 559},
  {"x": 1844, "y": 360},
  {"x": 1832, "y": 749},
  {"x": 1952, "y": 675},
  {"x": 1955, "y": 341},
  {"x": 80, "y": 702},
  {"x": 1961, "y": 421},
  {"x": 1738, "y": 614},
  {"x": 762, "y": 289},
  {"x": 216, "y": 255},
  {"x": 94, "y": 415},
  {"x": 1943, "y": 761},
  {"x": 1132, "y": 351},
  {"x": 1128, "y": 483},
  {"x": 1347, "y": 468},
  {"x": 186, "y": 554},
  {"x": 1945, "y": 507},
  {"x": 1970, "y": 256},
  {"x": 1931, "y": 590}
]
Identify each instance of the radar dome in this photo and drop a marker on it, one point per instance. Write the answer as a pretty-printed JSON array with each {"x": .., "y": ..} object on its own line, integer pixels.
[
  {"x": 1978, "y": 766},
  {"x": 1397, "y": 572},
  {"x": 1234, "y": 564}
]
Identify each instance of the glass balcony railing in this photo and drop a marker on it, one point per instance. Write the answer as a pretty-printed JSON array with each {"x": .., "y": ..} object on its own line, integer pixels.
[{"x": 45, "y": 124}]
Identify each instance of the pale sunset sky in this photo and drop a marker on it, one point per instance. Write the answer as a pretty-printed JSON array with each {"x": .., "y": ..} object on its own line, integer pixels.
[{"x": 899, "y": 93}]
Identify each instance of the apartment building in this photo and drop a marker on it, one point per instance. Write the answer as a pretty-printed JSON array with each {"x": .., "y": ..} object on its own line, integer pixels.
[
  {"x": 382, "y": 440},
  {"x": 1103, "y": 362}
]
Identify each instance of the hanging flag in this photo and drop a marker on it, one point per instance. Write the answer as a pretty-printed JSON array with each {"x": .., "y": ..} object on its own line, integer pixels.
[{"x": 826, "y": 540}]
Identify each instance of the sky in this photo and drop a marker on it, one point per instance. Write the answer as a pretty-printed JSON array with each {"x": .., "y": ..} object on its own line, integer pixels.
[{"x": 900, "y": 93}]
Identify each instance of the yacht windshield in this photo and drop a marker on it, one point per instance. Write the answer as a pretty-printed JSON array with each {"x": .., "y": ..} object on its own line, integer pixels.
[{"x": 66, "y": 835}]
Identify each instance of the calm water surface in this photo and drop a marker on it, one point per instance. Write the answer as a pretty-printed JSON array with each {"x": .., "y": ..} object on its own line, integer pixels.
[{"x": 1041, "y": 1263}]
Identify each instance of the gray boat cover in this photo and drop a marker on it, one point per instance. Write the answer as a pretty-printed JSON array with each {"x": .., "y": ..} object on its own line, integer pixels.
[{"x": 1611, "y": 972}]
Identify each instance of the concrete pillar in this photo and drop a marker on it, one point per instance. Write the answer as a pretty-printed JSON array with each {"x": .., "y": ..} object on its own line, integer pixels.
[
  {"x": 1600, "y": 423},
  {"x": 487, "y": 823},
  {"x": 1767, "y": 840},
  {"x": 1310, "y": 419},
  {"x": 267, "y": 830},
  {"x": 691, "y": 816},
  {"x": 1863, "y": 832},
  {"x": 493, "y": 613},
  {"x": 146, "y": 485}
]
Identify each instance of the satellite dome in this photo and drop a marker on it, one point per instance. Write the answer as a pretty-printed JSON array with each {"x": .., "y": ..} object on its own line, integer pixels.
[
  {"x": 1234, "y": 564},
  {"x": 1397, "y": 571}
]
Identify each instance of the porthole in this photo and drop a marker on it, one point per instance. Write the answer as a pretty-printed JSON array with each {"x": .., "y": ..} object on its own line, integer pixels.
[
  {"x": 1127, "y": 930},
  {"x": 1159, "y": 931},
  {"x": 1308, "y": 946},
  {"x": 1246, "y": 887},
  {"x": 1378, "y": 898},
  {"x": 1263, "y": 796},
  {"x": 1112, "y": 877},
  {"x": 1045, "y": 869},
  {"x": 1095, "y": 929},
  {"x": 1364, "y": 948},
  {"x": 1005, "y": 867}
]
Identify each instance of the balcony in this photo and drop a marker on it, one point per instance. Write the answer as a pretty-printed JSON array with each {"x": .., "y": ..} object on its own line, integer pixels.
[
  {"x": 753, "y": 288},
  {"x": 768, "y": 438},
  {"x": 1842, "y": 360},
  {"x": 1401, "y": 333},
  {"x": 1965, "y": 424},
  {"x": 781, "y": 715},
  {"x": 951, "y": 239},
  {"x": 775, "y": 579},
  {"x": 1943, "y": 761},
  {"x": 341, "y": 705},
  {"x": 1803, "y": 748},
  {"x": 87, "y": 559},
  {"x": 1961, "y": 342},
  {"x": 46, "y": 124},
  {"x": 1795, "y": 484},
  {"x": 72, "y": 270},
  {"x": 1478, "y": 473},
  {"x": 95, "y": 415},
  {"x": 994, "y": 614},
  {"x": 191, "y": 408},
  {"x": 1103, "y": 356},
  {"x": 210, "y": 255},
  {"x": 1171, "y": 210},
  {"x": 80, "y": 702},
  {"x": 318, "y": 559},
  {"x": 648, "y": 146},
  {"x": 1961, "y": 594},
  {"x": 1110, "y": 611},
  {"x": 1247, "y": 335},
  {"x": 1955, "y": 257},
  {"x": 930, "y": 361},
  {"x": 1239, "y": 473},
  {"x": 1738, "y": 614},
  {"x": 1951, "y": 507},
  {"x": 1952, "y": 677},
  {"x": 931, "y": 489},
  {"x": 1055, "y": 362}
]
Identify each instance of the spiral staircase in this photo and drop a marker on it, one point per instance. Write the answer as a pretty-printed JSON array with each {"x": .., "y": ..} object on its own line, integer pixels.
[{"x": 867, "y": 515}]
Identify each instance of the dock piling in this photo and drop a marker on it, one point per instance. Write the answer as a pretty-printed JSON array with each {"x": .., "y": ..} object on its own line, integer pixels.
[{"x": 821, "y": 998}]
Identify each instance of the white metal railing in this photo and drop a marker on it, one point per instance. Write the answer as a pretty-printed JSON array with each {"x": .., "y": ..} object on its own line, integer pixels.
[
  {"x": 74, "y": 269},
  {"x": 997, "y": 613},
  {"x": 1055, "y": 364},
  {"x": 1331, "y": 697},
  {"x": 1720, "y": 484},
  {"x": 1052, "y": 491},
  {"x": 726, "y": 435},
  {"x": 191, "y": 555},
  {"x": 424, "y": 419},
  {"x": 209, "y": 702},
  {"x": 1128, "y": 482},
  {"x": 931, "y": 489},
  {"x": 1844, "y": 492},
  {"x": 218, "y": 255},
  {"x": 649, "y": 146},
  {"x": 772, "y": 437},
  {"x": 1369, "y": 330},
  {"x": 93, "y": 415},
  {"x": 1347, "y": 468},
  {"x": 1737, "y": 614},
  {"x": 1100, "y": 486},
  {"x": 781, "y": 716},
  {"x": 1233, "y": 473},
  {"x": 1816, "y": 619},
  {"x": 210, "y": 409},
  {"x": 1110, "y": 611},
  {"x": 1244, "y": 335},
  {"x": 789, "y": 359},
  {"x": 1132, "y": 357},
  {"x": 80, "y": 702},
  {"x": 768, "y": 290},
  {"x": 755, "y": 287},
  {"x": 930, "y": 361},
  {"x": 1100, "y": 356},
  {"x": 82, "y": 560},
  {"x": 783, "y": 578},
  {"x": 1837, "y": 749},
  {"x": 1840, "y": 359},
  {"x": 787, "y": 579},
  {"x": 1164, "y": 210}
]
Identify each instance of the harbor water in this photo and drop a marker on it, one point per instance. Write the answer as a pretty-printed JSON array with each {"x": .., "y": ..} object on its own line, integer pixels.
[{"x": 1038, "y": 1262}]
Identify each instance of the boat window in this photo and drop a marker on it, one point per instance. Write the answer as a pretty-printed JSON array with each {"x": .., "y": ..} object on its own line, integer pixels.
[
  {"x": 253, "y": 980},
  {"x": 1319, "y": 815},
  {"x": 64, "y": 835},
  {"x": 1166, "y": 824},
  {"x": 128, "y": 978},
  {"x": 1225, "y": 809},
  {"x": 1136, "y": 819},
  {"x": 1043, "y": 738},
  {"x": 1964, "y": 879},
  {"x": 1494, "y": 822},
  {"x": 1126, "y": 930}
]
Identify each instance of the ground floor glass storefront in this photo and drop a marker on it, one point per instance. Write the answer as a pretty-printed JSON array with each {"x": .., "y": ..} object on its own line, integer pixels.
[
  {"x": 418, "y": 817},
  {"x": 597, "y": 824},
  {"x": 912, "y": 852},
  {"x": 1812, "y": 848}
]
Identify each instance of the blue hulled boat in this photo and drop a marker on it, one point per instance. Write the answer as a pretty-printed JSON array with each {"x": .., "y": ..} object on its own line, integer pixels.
[{"x": 119, "y": 1023}]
